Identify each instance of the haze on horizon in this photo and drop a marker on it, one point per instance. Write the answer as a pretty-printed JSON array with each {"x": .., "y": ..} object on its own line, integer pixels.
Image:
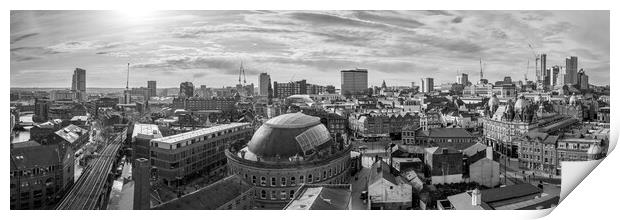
[{"x": 207, "y": 47}]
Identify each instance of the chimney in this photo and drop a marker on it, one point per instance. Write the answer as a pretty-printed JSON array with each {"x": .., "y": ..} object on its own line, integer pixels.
[{"x": 476, "y": 197}]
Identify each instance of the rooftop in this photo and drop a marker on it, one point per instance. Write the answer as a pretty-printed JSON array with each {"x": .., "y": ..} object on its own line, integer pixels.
[
  {"x": 509, "y": 192},
  {"x": 173, "y": 139},
  {"x": 321, "y": 197},
  {"x": 148, "y": 131},
  {"x": 30, "y": 154},
  {"x": 446, "y": 133},
  {"x": 210, "y": 197},
  {"x": 71, "y": 133}
]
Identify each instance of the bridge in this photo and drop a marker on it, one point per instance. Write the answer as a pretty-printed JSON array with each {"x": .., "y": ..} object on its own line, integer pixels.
[{"x": 91, "y": 190}]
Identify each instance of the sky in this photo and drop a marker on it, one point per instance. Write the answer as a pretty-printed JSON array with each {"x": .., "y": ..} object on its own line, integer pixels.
[{"x": 208, "y": 47}]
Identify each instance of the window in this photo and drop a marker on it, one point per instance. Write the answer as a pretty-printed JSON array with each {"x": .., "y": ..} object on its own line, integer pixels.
[
  {"x": 283, "y": 181},
  {"x": 263, "y": 181},
  {"x": 309, "y": 178},
  {"x": 263, "y": 194},
  {"x": 292, "y": 180},
  {"x": 254, "y": 180},
  {"x": 273, "y": 195},
  {"x": 273, "y": 181},
  {"x": 301, "y": 179},
  {"x": 283, "y": 195},
  {"x": 291, "y": 194},
  {"x": 324, "y": 174}
]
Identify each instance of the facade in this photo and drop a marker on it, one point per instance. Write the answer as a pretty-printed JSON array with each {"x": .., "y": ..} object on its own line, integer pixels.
[
  {"x": 186, "y": 90},
  {"x": 387, "y": 191},
  {"x": 462, "y": 79},
  {"x": 40, "y": 175},
  {"x": 78, "y": 83},
  {"x": 334, "y": 122},
  {"x": 426, "y": 85},
  {"x": 580, "y": 149},
  {"x": 457, "y": 138},
  {"x": 445, "y": 165},
  {"x": 63, "y": 95},
  {"x": 152, "y": 86},
  {"x": 202, "y": 104},
  {"x": 264, "y": 84},
  {"x": 141, "y": 139},
  {"x": 538, "y": 151},
  {"x": 286, "y": 152},
  {"x": 353, "y": 81},
  {"x": 179, "y": 157},
  {"x": 571, "y": 71},
  {"x": 381, "y": 124},
  {"x": 283, "y": 90}
]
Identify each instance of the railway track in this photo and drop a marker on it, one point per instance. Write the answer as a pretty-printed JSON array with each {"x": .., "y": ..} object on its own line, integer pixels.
[{"x": 86, "y": 193}]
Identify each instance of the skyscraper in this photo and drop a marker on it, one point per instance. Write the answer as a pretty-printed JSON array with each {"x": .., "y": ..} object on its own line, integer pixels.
[
  {"x": 152, "y": 86},
  {"x": 78, "y": 84},
  {"x": 427, "y": 85},
  {"x": 353, "y": 81},
  {"x": 543, "y": 68},
  {"x": 571, "y": 71},
  {"x": 186, "y": 90},
  {"x": 462, "y": 79},
  {"x": 264, "y": 83},
  {"x": 555, "y": 71}
]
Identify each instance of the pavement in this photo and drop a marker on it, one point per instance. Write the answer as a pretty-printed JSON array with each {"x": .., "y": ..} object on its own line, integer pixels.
[
  {"x": 361, "y": 184},
  {"x": 121, "y": 195}
]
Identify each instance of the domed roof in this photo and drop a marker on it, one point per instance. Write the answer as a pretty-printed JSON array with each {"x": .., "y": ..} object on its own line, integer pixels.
[
  {"x": 288, "y": 135},
  {"x": 595, "y": 149},
  {"x": 493, "y": 101},
  {"x": 521, "y": 104}
]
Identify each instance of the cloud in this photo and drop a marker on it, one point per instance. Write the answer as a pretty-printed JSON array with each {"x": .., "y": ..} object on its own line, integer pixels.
[
  {"x": 457, "y": 20},
  {"x": 22, "y": 37}
]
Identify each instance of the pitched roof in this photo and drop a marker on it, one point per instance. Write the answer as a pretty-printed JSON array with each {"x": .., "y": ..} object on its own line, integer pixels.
[
  {"x": 446, "y": 132},
  {"x": 377, "y": 174},
  {"x": 474, "y": 149},
  {"x": 321, "y": 197},
  {"x": 509, "y": 192},
  {"x": 31, "y": 154},
  {"x": 71, "y": 133},
  {"x": 210, "y": 197}
]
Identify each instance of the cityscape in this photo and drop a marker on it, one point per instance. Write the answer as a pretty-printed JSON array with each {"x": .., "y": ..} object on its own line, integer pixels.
[{"x": 304, "y": 110}]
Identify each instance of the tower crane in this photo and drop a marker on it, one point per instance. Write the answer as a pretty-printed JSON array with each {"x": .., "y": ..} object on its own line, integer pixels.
[{"x": 537, "y": 58}]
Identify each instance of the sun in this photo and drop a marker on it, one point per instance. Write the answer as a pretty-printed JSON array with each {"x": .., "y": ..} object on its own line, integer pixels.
[{"x": 136, "y": 15}]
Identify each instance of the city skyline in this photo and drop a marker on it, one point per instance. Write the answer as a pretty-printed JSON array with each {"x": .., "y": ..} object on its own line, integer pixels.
[{"x": 399, "y": 47}]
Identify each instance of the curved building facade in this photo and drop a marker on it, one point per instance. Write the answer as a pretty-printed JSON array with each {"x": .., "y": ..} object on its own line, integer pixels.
[{"x": 286, "y": 152}]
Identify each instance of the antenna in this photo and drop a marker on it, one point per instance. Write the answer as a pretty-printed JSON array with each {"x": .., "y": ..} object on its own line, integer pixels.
[
  {"x": 527, "y": 70},
  {"x": 481, "y": 74},
  {"x": 240, "y": 71},
  {"x": 127, "y": 87}
]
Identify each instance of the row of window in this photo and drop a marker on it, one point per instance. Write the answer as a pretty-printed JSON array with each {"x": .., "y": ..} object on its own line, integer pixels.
[{"x": 292, "y": 181}]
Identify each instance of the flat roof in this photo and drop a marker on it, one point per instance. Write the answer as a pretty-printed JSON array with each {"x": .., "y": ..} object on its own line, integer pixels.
[
  {"x": 325, "y": 197},
  {"x": 173, "y": 139},
  {"x": 146, "y": 130}
]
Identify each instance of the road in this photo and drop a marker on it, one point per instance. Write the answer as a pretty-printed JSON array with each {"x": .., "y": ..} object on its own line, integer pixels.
[{"x": 361, "y": 184}]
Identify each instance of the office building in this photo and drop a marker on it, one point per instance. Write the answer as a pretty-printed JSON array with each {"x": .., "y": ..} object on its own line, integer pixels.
[
  {"x": 543, "y": 68},
  {"x": 353, "y": 81},
  {"x": 462, "y": 79},
  {"x": 40, "y": 174},
  {"x": 283, "y": 90},
  {"x": 78, "y": 84},
  {"x": 571, "y": 71},
  {"x": 264, "y": 84},
  {"x": 178, "y": 157},
  {"x": 186, "y": 90},
  {"x": 426, "y": 85},
  {"x": 152, "y": 86}
]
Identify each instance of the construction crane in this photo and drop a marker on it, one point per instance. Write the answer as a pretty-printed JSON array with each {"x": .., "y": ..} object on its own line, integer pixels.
[
  {"x": 127, "y": 86},
  {"x": 527, "y": 70},
  {"x": 537, "y": 58}
]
